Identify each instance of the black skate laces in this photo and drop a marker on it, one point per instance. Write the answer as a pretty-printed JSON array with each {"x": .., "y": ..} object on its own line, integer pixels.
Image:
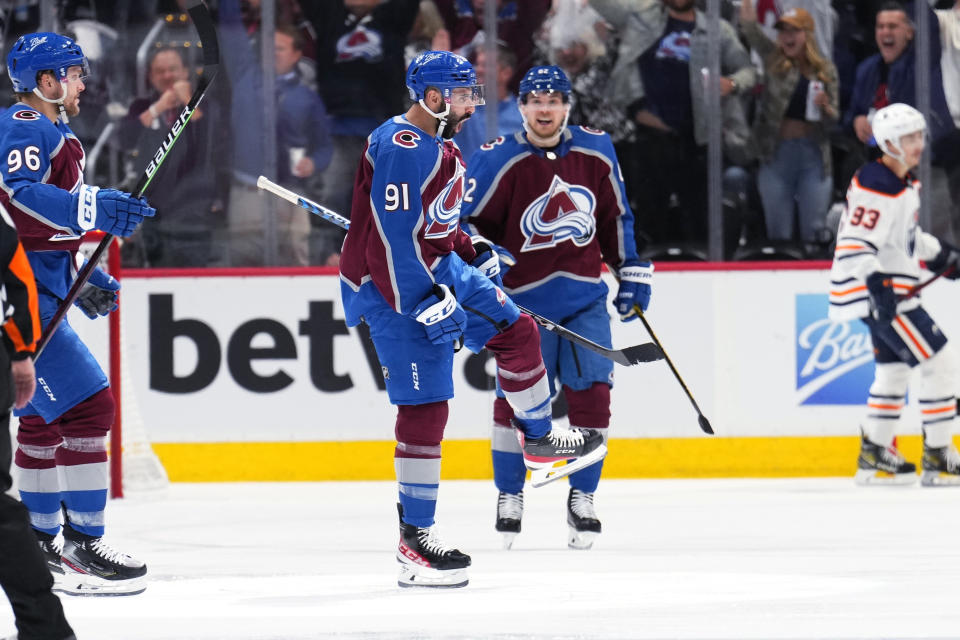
[
  {"x": 581, "y": 504},
  {"x": 510, "y": 505}
]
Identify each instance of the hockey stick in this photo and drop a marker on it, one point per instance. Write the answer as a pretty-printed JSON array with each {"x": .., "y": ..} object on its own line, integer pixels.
[
  {"x": 647, "y": 352},
  {"x": 203, "y": 22},
  {"x": 702, "y": 419},
  {"x": 915, "y": 291}
]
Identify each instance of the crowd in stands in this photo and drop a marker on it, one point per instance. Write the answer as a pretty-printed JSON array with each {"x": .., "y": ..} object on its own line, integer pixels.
[{"x": 800, "y": 81}]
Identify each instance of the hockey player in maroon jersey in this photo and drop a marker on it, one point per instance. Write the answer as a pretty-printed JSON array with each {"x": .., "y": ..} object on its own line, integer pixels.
[
  {"x": 410, "y": 273},
  {"x": 61, "y": 459},
  {"x": 551, "y": 199}
]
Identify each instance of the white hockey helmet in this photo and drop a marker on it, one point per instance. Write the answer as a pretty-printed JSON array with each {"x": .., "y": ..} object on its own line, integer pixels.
[{"x": 892, "y": 123}]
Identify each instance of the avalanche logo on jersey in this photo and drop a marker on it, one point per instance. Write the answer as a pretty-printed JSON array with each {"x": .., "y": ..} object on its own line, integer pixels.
[
  {"x": 834, "y": 358},
  {"x": 360, "y": 44},
  {"x": 488, "y": 146},
  {"x": 406, "y": 139},
  {"x": 26, "y": 115},
  {"x": 443, "y": 214},
  {"x": 675, "y": 46},
  {"x": 564, "y": 212}
]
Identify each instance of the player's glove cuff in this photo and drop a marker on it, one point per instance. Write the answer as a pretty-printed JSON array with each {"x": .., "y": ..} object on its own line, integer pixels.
[
  {"x": 946, "y": 262},
  {"x": 883, "y": 300}
]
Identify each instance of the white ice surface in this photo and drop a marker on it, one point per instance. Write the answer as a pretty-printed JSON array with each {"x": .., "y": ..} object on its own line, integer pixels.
[{"x": 678, "y": 559}]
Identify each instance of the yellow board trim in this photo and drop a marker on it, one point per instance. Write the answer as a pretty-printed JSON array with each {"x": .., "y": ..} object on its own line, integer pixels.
[{"x": 756, "y": 457}]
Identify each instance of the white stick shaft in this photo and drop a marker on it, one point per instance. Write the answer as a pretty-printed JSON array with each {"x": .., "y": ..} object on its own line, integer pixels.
[
  {"x": 268, "y": 185},
  {"x": 317, "y": 209}
]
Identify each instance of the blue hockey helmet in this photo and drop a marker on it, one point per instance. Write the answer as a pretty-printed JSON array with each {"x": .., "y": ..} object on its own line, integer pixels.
[
  {"x": 545, "y": 79},
  {"x": 36, "y": 52},
  {"x": 445, "y": 72}
]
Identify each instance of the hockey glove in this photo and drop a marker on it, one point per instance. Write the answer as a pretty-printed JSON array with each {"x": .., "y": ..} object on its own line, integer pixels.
[
  {"x": 98, "y": 297},
  {"x": 441, "y": 315},
  {"x": 883, "y": 301},
  {"x": 109, "y": 210},
  {"x": 946, "y": 262},
  {"x": 635, "y": 288},
  {"x": 492, "y": 260}
]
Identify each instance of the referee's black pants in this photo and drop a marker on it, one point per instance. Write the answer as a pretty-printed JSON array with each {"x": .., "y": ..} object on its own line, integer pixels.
[{"x": 23, "y": 571}]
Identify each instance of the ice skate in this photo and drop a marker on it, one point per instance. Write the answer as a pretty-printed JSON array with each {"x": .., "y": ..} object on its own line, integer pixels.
[
  {"x": 941, "y": 466},
  {"x": 883, "y": 465},
  {"x": 582, "y": 519},
  {"x": 560, "y": 453},
  {"x": 509, "y": 514},
  {"x": 426, "y": 562},
  {"x": 64, "y": 580},
  {"x": 91, "y": 568}
]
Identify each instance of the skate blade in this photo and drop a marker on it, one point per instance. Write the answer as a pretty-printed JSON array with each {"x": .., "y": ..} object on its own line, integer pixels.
[
  {"x": 541, "y": 475},
  {"x": 581, "y": 539},
  {"x": 939, "y": 479},
  {"x": 80, "y": 584},
  {"x": 868, "y": 477},
  {"x": 416, "y": 576},
  {"x": 508, "y": 538}
]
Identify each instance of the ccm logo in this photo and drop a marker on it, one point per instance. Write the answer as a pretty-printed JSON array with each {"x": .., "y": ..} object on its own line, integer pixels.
[{"x": 87, "y": 207}]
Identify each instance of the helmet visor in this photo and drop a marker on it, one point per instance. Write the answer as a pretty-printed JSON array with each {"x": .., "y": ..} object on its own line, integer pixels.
[{"x": 471, "y": 96}]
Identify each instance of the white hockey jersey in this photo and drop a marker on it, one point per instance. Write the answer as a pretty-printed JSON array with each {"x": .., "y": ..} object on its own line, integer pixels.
[{"x": 879, "y": 231}]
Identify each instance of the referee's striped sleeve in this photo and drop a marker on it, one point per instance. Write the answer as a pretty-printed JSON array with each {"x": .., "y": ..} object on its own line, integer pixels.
[{"x": 21, "y": 315}]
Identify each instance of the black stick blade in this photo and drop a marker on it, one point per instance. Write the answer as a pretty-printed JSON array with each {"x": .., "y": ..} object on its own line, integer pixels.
[
  {"x": 647, "y": 352},
  {"x": 705, "y": 424}
]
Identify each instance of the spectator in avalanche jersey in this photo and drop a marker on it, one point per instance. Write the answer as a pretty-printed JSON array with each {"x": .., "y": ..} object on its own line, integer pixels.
[
  {"x": 658, "y": 79},
  {"x": 360, "y": 72},
  {"x": 517, "y": 21}
]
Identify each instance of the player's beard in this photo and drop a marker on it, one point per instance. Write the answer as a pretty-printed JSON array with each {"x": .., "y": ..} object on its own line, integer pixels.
[{"x": 450, "y": 129}]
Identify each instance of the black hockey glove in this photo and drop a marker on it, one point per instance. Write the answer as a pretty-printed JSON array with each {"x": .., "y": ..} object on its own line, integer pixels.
[
  {"x": 883, "y": 301},
  {"x": 946, "y": 262}
]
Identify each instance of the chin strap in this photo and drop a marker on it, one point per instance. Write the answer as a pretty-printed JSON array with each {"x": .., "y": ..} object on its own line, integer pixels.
[
  {"x": 540, "y": 141},
  {"x": 58, "y": 101},
  {"x": 442, "y": 116}
]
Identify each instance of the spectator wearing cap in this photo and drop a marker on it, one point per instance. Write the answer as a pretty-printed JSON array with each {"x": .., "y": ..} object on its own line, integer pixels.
[
  {"x": 796, "y": 110},
  {"x": 888, "y": 77}
]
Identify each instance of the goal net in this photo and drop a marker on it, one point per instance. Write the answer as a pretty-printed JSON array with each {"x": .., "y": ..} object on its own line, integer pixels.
[{"x": 134, "y": 467}]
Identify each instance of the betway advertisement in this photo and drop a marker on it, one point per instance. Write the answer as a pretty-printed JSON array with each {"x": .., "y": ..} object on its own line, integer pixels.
[{"x": 265, "y": 358}]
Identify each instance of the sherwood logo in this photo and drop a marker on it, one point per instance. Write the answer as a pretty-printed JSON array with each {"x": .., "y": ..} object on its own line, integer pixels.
[{"x": 834, "y": 359}]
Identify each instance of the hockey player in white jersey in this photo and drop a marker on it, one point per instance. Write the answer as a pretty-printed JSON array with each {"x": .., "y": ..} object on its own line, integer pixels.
[{"x": 877, "y": 261}]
